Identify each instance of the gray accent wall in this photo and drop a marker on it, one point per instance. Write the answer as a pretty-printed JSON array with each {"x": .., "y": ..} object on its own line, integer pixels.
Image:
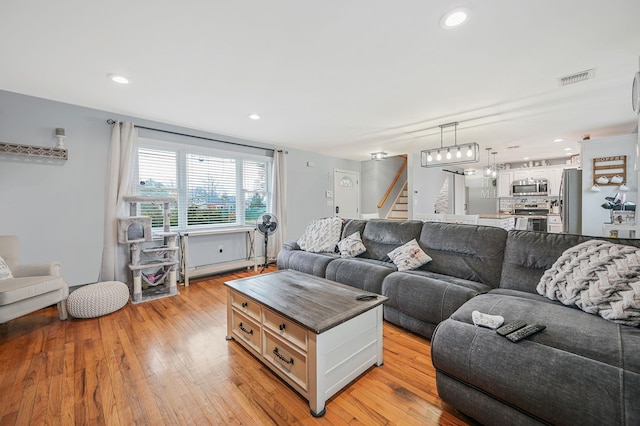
[{"x": 57, "y": 210}]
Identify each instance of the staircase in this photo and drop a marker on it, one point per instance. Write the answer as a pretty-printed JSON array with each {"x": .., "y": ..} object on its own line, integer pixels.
[{"x": 400, "y": 209}]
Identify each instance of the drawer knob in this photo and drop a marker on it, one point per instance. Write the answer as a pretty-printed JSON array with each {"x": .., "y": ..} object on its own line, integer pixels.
[
  {"x": 245, "y": 304},
  {"x": 282, "y": 358},
  {"x": 282, "y": 326},
  {"x": 241, "y": 327}
]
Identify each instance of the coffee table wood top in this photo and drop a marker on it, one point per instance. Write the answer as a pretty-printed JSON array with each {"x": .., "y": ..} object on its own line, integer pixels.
[{"x": 315, "y": 303}]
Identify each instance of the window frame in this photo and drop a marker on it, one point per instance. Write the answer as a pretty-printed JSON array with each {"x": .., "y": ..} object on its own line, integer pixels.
[{"x": 181, "y": 204}]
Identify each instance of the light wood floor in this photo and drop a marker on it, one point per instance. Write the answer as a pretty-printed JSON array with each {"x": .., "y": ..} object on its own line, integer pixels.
[{"x": 167, "y": 362}]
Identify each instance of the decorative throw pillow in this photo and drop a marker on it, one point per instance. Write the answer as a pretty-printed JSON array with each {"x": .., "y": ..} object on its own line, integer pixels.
[
  {"x": 409, "y": 256},
  {"x": 351, "y": 246},
  {"x": 5, "y": 272},
  {"x": 598, "y": 277},
  {"x": 321, "y": 235}
]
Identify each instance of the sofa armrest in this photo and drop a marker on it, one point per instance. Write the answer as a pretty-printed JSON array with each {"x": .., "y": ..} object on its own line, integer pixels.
[
  {"x": 291, "y": 245},
  {"x": 38, "y": 269}
]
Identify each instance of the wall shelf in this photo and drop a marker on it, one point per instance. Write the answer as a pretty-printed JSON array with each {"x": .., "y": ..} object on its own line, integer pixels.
[{"x": 34, "y": 151}]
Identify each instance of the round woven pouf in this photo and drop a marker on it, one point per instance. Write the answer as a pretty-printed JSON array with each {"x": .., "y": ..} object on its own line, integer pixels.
[{"x": 98, "y": 299}]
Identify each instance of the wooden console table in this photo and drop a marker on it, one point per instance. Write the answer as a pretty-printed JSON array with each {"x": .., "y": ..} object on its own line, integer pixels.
[{"x": 250, "y": 260}]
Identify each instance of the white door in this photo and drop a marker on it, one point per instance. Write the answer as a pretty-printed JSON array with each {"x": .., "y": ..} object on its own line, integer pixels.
[{"x": 346, "y": 186}]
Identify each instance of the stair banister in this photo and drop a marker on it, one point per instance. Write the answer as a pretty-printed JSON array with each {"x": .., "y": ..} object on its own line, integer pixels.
[{"x": 393, "y": 184}]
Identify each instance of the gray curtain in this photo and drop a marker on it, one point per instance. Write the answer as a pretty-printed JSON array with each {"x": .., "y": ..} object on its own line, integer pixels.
[
  {"x": 119, "y": 169},
  {"x": 278, "y": 202}
]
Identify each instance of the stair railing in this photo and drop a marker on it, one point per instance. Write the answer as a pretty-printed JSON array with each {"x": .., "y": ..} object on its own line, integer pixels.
[{"x": 393, "y": 184}]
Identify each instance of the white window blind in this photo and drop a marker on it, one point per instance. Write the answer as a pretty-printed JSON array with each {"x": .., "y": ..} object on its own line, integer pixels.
[
  {"x": 157, "y": 176},
  {"x": 211, "y": 189}
]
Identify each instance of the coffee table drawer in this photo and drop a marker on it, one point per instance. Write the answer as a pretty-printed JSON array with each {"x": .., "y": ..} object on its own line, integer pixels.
[
  {"x": 286, "y": 359},
  {"x": 246, "y": 305},
  {"x": 246, "y": 329},
  {"x": 285, "y": 328}
]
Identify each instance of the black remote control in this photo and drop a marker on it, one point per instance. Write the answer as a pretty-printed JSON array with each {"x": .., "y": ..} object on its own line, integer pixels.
[
  {"x": 366, "y": 297},
  {"x": 516, "y": 336},
  {"x": 511, "y": 327}
]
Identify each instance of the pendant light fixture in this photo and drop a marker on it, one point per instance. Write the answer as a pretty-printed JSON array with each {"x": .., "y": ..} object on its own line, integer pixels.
[
  {"x": 486, "y": 172},
  {"x": 494, "y": 171},
  {"x": 452, "y": 154}
]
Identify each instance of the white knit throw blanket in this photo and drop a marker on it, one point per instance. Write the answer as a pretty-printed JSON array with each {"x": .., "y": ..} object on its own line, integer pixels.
[{"x": 598, "y": 277}]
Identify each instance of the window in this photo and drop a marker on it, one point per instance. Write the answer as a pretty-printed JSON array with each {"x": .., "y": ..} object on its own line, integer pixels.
[{"x": 211, "y": 188}]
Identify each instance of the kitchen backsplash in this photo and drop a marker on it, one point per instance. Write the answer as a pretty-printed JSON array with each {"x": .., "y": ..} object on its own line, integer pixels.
[{"x": 507, "y": 204}]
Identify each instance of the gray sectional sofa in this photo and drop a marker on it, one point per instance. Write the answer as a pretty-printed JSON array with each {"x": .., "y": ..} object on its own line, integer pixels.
[{"x": 582, "y": 369}]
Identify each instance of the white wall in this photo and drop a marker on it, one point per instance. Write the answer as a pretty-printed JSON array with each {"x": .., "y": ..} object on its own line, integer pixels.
[
  {"x": 57, "y": 210},
  {"x": 593, "y": 216},
  {"x": 424, "y": 185}
]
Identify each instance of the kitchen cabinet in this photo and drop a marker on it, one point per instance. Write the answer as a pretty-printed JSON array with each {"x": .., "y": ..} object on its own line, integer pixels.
[
  {"x": 555, "y": 177},
  {"x": 554, "y": 224},
  {"x": 504, "y": 184},
  {"x": 531, "y": 174}
]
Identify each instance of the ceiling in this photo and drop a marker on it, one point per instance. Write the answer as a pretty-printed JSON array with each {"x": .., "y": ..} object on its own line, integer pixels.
[{"x": 343, "y": 78}]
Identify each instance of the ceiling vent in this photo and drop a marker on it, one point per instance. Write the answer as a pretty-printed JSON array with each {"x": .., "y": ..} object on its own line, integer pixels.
[
  {"x": 576, "y": 78},
  {"x": 513, "y": 147}
]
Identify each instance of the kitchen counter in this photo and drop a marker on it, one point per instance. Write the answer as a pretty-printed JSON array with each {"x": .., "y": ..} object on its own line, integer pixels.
[
  {"x": 500, "y": 220},
  {"x": 497, "y": 216}
]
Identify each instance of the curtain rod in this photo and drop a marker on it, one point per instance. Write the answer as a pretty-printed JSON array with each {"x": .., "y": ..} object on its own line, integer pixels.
[{"x": 112, "y": 122}]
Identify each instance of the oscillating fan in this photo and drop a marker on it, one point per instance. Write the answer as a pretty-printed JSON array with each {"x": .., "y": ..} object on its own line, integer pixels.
[{"x": 267, "y": 224}]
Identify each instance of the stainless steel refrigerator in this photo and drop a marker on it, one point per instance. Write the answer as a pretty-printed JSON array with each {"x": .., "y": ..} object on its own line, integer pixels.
[{"x": 571, "y": 201}]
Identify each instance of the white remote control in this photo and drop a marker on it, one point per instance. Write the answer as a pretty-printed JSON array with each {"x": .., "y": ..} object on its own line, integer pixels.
[{"x": 486, "y": 320}]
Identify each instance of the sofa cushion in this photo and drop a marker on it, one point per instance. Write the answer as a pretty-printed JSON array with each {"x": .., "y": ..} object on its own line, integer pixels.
[
  {"x": 529, "y": 254},
  {"x": 580, "y": 370},
  {"x": 309, "y": 263},
  {"x": 470, "y": 252},
  {"x": 409, "y": 256},
  {"x": 365, "y": 274},
  {"x": 598, "y": 277},
  {"x": 427, "y": 296},
  {"x": 321, "y": 235},
  {"x": 16, "y": 289},
  {"x": 5, "y": 272},
  {"x": 351, "y": 246},
  {"x": 380, "y": 236}
]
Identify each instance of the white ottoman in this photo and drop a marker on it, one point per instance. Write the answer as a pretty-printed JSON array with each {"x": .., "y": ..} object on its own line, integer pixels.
[{"x": 98, "y": 299}]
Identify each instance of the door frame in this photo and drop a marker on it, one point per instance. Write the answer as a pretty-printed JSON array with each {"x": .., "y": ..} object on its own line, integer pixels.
[{"x": 335, "y": 190}]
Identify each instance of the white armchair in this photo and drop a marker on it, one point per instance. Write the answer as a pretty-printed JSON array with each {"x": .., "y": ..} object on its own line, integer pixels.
[{"x": 33, "y": 286}]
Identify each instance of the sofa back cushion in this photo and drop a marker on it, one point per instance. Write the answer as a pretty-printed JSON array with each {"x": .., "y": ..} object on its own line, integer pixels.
[
  {"x": 471, "y": 252},
  {"x": 381, "y": 236},
  {"x": 528, "y": 254}
]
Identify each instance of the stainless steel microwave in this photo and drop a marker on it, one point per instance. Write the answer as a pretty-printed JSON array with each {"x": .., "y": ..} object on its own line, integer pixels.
[{"x": 530, "y": 187}]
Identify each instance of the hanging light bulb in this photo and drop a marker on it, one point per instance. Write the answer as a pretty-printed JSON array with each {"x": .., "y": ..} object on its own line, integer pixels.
[
  {"x": 494, "y": 170},
  {"x": 429, "y": 157},
  {"x": 469, "y": 151},
  {"x": 448, "y": 154},
  {"x": 487, "y": 170},
  {"x": 458, "y": 153},
  {"x": 438, "y": 156}
]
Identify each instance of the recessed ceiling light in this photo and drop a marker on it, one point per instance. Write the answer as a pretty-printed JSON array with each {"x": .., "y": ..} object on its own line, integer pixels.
[
  {"x": 120, "y": 79},
  {"x": 454, "y": 18},
  {"x": 254, "y": 116},
  {"x": 558, "y": 140},
  {"x": 567, "y": 149},
  {"x": 525, "y": 158}
]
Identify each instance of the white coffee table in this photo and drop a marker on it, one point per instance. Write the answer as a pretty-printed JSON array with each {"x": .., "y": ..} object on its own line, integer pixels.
[{"x": 310, "y": 331}]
